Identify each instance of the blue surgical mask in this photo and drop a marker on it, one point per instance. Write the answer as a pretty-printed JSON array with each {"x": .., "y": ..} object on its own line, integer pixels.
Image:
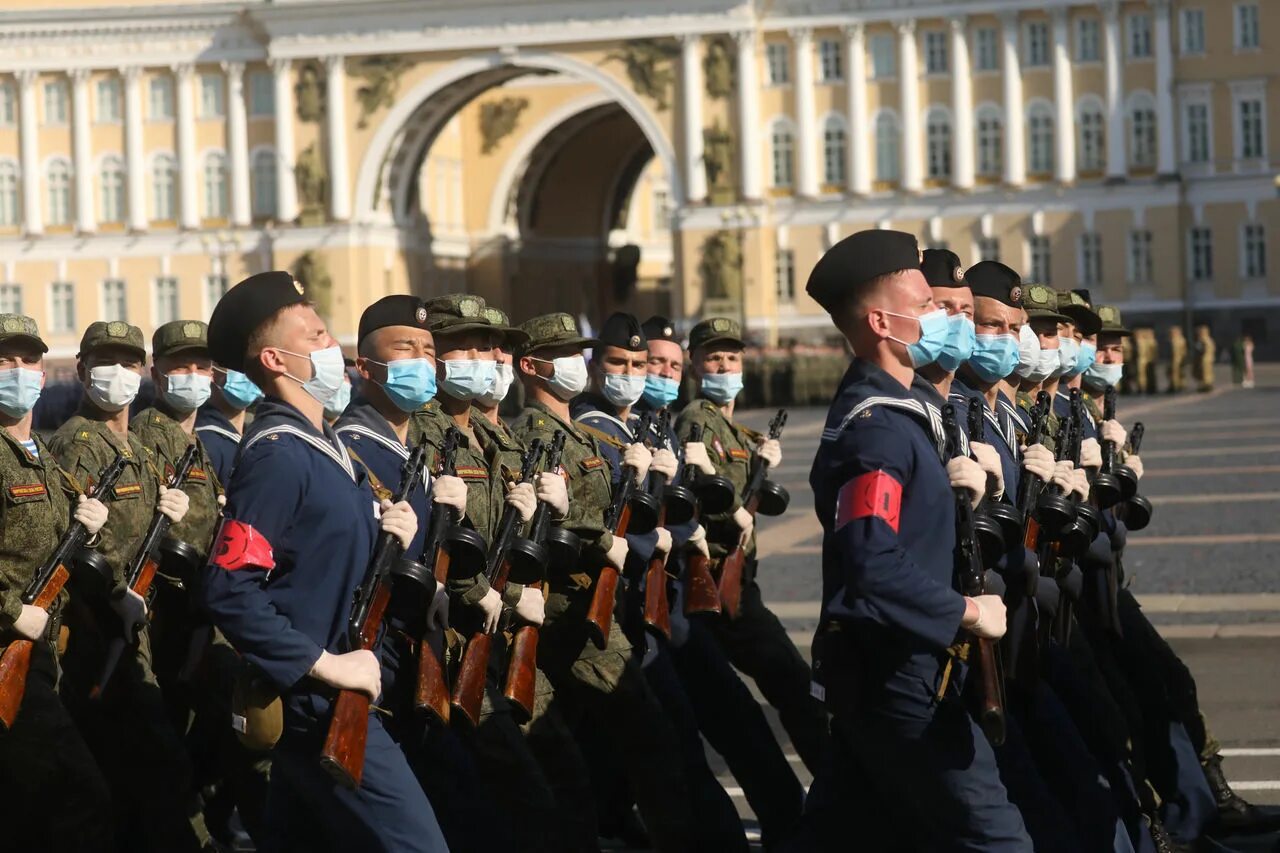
[
  {"x": 19, "y": 390},
  {"x": 1104, "y": 375},
  {"x": 994, "y": 357},
  {"x": 1068, "y": 352},
  {"x": 934, "y": 328},
  {"x": 327, "y": 370},
  {"x": 338, "y": 402},
  {"x": 239, "y": 391},
  {"x": 468, "y": 378},
  {"x": 1088, "y": 354},
  {"x": 660, "y": 391},
  {"x": 503, "y": 376},
  {"x": 410, "y": 382},
  {"x": 187, "y": 392},
  {"x": 721, "y": 388},
  {"x": 960, "y": 342},
  {"x": 623, "y": 390}
]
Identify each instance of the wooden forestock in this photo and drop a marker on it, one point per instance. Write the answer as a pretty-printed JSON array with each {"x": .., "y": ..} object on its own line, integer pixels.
[
  {"x": 657, "y": 612},
  {"x": 700, "y": 592},
  {"x": 600, "y": 612},
  {"x": 431, "y": 693},
  {"x": 730, "y": 583}
]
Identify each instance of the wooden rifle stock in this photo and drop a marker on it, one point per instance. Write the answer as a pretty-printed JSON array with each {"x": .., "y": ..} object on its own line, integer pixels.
[
  {"x": 700, "y": 592},
  {"x": 431, "y": 693},
  {"x": 730, "y": 583},
  {"x": 603, "y": 599},
  {"x": 657, "y": 611}
]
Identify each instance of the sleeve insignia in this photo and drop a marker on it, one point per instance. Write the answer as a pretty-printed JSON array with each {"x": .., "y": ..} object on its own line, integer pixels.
[
  {"x": 239, "y": 545},
  {"x": 872, "y": 495}
]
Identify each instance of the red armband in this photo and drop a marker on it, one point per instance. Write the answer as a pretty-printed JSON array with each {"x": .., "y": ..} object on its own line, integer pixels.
[
  {"x": 238, "y": 545},
  {"x": 871, "y": 495}
]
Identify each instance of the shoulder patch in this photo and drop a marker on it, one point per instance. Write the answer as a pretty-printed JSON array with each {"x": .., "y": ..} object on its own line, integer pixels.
[
  {"x": 471, "y": 472},
  {"x": 591, "y": 463},
  {"x": 875, "y": 494},
  {"x": 128, "y": 490},
  {"x": 27, "y": 491},
  {"x": 735, "y": 453}
]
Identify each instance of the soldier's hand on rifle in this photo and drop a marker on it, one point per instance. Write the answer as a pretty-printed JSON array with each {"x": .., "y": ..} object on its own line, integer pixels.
[
  {"x": 771, "y": 452},
  {"x": 1090, "y": 454},
  {"x": 664, "y": 463},
  {"x": 90, "y": 512},
  {"x": 617, "y": 554},
  {"x": 438, "y": 610},
  {"x": 698, "y": 541},
  {"x": 1112, "y": 431},
  {"x": 491, "y": 608},
  {"x": 639, "y": 457},
  {"x": 1038, "y": 460},
  {"x": 984, "y": 616},
  {"x": 695, "y": 454},
  {"x": 1134, "y": 461},
  {"x": 552, "y": 490},
  {"x": 524, "y": 499},
  {"x": 222, "y": 501},
  {"x": 174, "y": 503},
  {"x": 400, "y": 520},
  {"x": 663, "y": 545},
  {"x": 450, "y": 491},
  {"x": 746, "y": 523},
  {"x": 31, "y": 622},
  {"x": 1064, "y": 475},
  {"x": 966, "y": 474},
  {"x": 986, "y": 456},
  {"x": 1080, "y": 483},
  {"x": 132, "y": 610},
  {"x": 358, "y": 670},
  {"x": 531, "y": 608}
]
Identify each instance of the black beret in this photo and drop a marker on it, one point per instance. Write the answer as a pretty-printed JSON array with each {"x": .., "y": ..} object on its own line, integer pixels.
[
  {"x": 399, "y": 309},
  {"x": 1083, "y": 293},
  {"x": 244, "y": 308},
  {"x": 659, "y": 328},
  {"x": 858, "y": 259},
  {"x": 623, "y": 330},
  {"x": 941, "y": 268},
  {"x": 994, "y": 280}
]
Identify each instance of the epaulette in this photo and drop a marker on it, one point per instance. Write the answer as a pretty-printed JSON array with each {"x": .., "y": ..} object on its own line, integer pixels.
[
  {"x": 749, "y": 432},
  {"x": 600, "y": 435}
]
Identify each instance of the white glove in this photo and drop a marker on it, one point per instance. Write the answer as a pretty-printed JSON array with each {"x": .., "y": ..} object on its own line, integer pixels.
[
  {"x": 174, "y": 503},
  {"x": 1038, "y": 459},
  {"x": 90, "y": 512},
  {"x": 491, "y": 606},
  {"x": 531, "y": 608},
  {"x": 450, "y": 491},
  {"x": 989, "y": 621},
  {"x": 964, "y": 473},
  {"x": 1112, "y": 431},
  {"x": 132, "y": 610},
  {"x": 664, "y": 541},
  {"x": 698, "y": 541},
  {"x": 31, "y": 622},
  {"x": 1090, "y": 454},
  {"x": 358, "y": 670},
  {"x": 222, "y": 501},
  {"x": 1064, "y": 475},
  {"x": 664, "y": 463},
  {"x": 771, "y": 452},
  {"x": 617, "y": 555},
  {"x": 695, "y": 454},
  {"x": 522, "y": 497},
  {"x": 746, "y": 523},
  {"x": 986, "y": 456},
  {"x": 399, "y": 519},
  {"x": 639, "y": 457},
  {"x": 1080, "y": 483},
  {"x": 438, "y": 610},
  {"x": 550, "y": 488},
  {"x": 1134, "y": 461}
]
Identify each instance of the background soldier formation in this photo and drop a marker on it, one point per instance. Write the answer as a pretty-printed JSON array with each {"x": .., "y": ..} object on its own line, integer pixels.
[{"x": 381, "y": 617}]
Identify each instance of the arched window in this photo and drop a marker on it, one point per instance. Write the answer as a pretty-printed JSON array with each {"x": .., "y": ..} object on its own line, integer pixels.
[
  {"x": 1142, "y": 131},
  {"x": 58, "y": 182},
  {"x": 215, "y": 186},
  {"x": 888, "y": 148},
  {"x": 784, "y": 155},
  {"x": 990, "y": 130},
  {"x": 264, "y": 184},
  {"x": 1091, "y": 127},
  {"x": 833, "y": 152},
  {"x": 111, "y": 178},
  {"x": 164, "y": 188},
  {"x": 1040, "y": 138},
  {"x": 9, "y": 210},
  {"x": 938, "y": 134}
]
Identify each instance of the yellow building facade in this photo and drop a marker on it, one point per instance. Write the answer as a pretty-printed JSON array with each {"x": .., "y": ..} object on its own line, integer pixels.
[{"x": 687, "y": 158}]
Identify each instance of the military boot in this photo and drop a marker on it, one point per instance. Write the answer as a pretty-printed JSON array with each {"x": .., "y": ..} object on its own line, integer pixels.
[
  {"x": 1236, "y": 816},
  {"x": 1160, "y": 836}
]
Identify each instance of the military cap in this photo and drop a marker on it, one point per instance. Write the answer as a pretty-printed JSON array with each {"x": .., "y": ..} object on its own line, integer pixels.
[
  {"x": 716, "y": 330},
  {"x": 512, "y": 337},
  {"x": 553, "y": 330},
  {"x": 659, "y": 328},
  {"x": 244, "y": 308},
  {"x": 858, "y": 259},
  {"x": 1041, "y": 303},
  {"x": 941, "y": 268},
  {"x": 1078, "y": 312},
  {"x": 21, "y": 327},
  {"x": 179, "y": 336},
  {"x": 624, "y": 331},
  {"x": 399, "y": 309},
  {"x": 116, "y": 333},
  {"x": 456, "y": 312},
  {"x": 995, "y": 281},
  {"x": 1111, "y": 322}
]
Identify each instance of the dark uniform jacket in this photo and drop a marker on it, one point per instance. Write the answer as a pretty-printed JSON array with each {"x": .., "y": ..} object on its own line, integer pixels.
[{"x": 221, "y": 440}]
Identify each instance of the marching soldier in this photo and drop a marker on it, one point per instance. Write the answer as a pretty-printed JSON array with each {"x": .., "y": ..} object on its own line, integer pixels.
[
  {"x": 1177, "y": 359},
  {"x": 220, "y": 422},
  {"x": 1206, "y": 351}
]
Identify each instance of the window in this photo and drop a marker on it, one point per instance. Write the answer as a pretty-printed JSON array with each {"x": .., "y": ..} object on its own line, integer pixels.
[
  {"x": 212, "y": 101},
  {"x": 1091, "y": 258},
  {"x": 833, "y": 152},
  {"x": 1092, "y": 141},
  {"x": 1192, "y": 31},
  {"x": 114, "y": 304},
  {"x": 888, "y": 148},
  {"x": 9, "y": 210},
  {"x": 58, "y": 181},
  {"x": 112, "y": 185},
  {"x": 1201, "y": 247},
  {"x": 62, "y": 298},
  {"x": 988, "y": 249},
  {"x": 1197, "y": 133},
  {"x": 109, "y": 101},
  {"x": 264, "y": 184},
  {"x": 1142, "y": 133},
  {"x": 161, "y": 98},
  {"x": 1037, "y": 43},
  {"x": 1247, "y": 37},
  {"x": 8, "y": 105},
  {"x": 1250, "y": 145},
  {"x": 1255, "y": 251},
  {"x": 987, "y": 55},
  {"x": 166, "y": 300},
  {"x": 1040, "y": 259},
  {"x": 776, "y": 57},
  {"x": 1141, "y": 270},
  {"x": 783, "y": 155},
  {"x": 215, "y": 186},
  {"x": 938, "y": 136},
  {"x": 55, "y": 102},
  {"x": 661, "y": 209},
  {"x": 163, "y": 188},
  {"x": 882, "y": 59},
  {"x": 990, "y": 142},
  {"x": 11, "y": 299},
  {"x": 215, "y": 287},
  {"x": 830, "y": 61},
  {"x": 935, "y": 52},
  {"x": 1140, "y": 36},
  {"x": 784, "y": 274},
  {"x": 1087, "y": 38},
  {"x": 262, "y": 94},
  {"x": 1040, "y": 138}
]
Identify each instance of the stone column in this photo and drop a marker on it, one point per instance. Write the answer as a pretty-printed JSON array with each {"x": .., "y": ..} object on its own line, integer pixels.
[
  {"x": 695, "y": 173},
  {"x": 1015, "y": 161},
  {"x": 858, "y": 180},
  {"x": 80, "y": 150},
  {"x": 909, "y": 86},
  {"x": 1064, "y": 122},
  {"x": 1166, "y": 138},
  {"x": 286, "y": 186},
  {"x": 962, "y": 167},
  {"x": 1117, "y": 161},
  {"x": 237, "y": 144},
  {"x": 336, "y": 108},
  {"x": 188, "y": 168},
  {"x": 749, "y": 115},
  {"x": 806, "y": 120},
  {"x": 135, "y": 163},
  {"x": 29, "y": 152}
]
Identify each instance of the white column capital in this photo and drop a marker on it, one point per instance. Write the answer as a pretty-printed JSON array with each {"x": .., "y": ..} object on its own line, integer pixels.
[
  {"x": 281, "y": 66},
  {"x": 855, "y": 30},
  {"x": 801, "y": 33},
  {"x": 957, "y": 24},
  {"x": 1110, "y": 9},
  {"x": 26, "y": 77},
  {"x": 687, "y": 39},
  {"x": 130, "y": 73},
  {"x": 1009, "y": 20},
  {"x": 184, "y": 70},
  {"x": 906, "y": 28},
  {"x": 1162, "y": 7},
  {"x": 81, "y": 75},
  {"x": 744, "y": 37},
  {"x": 234, "y": 71},
  {"x": 334, "y": 63}
]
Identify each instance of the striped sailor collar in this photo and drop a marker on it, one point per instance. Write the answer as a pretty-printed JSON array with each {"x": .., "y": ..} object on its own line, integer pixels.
[
  {"x": 866, "y": 385},
  {"x": 361, "y": 417},
  {"x": 276, "y": 417}
]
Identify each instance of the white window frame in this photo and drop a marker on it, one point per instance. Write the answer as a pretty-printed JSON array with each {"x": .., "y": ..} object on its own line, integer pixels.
[
  {"x": 159, "y": 318},
  {"x": 937, "y": 53},
  {"x": 160, "y": 92},
  {"x": 1192, "y": 39},
  {"x": 11, "y": 298},
  {"x": 888, "y": 156},
  {"x": 1088, "y": 35},
  {"x": 1094, "y": 108},
  {"x": 106, "y": 298},
  {"x": 987, "y": 249},
  {"x": 1194, "y": 270},
  {"x": 209, "y": 110},
  {"x": 1139, "y": 36},
  {"x": 11, "y": 196},
  {"x": 882, "y": 54},
  {"x": 63, "y": 212},
  {"x": 223, "y": 283},
  {"x": 1041, "y": 111},
  {"x": 61, "y": 322},
  {"x": 216, "y": 205},
  {"x": 782, "y": 139},
  {"x": 1040, "y": 260},
  {"x": 660, "y": 201},
  {"x": 1253, "y": 253},
  {"x": 986, "y": 50},
  {"x": 171, "y": 198},
  {"x": 834, "y": 125},
  {"x": 108, "y": 96},
  {"x": 1089, "y": 259},
  {"x": 989, "y": 163},
  {"x": 261, "y": 87},
  {"x": 777, "y": 63},
  {"x": 1139, "y": 256},
  {"x": 263, "y": 198},
  {"x": 1142, "y": 154},
  {"x": 1248, "y": 92},
  {"x": 60, "y": 117},
  {"x": 8, "y": 104},
  {"x": 1248, "y": 33},
  {"x": 942, "y": 169},
  {"x": 1199, "y": 96},
  {"x": 784, "y": 275},
  {"x": 830, "y": 61},
  {"x": 112, "y": 210},
  {"x": 1038, "y": 40}
]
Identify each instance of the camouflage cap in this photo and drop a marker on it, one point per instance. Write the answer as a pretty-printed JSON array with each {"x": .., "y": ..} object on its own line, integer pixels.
[
  {"x": 456, "y": 312},
  {"x": 21, "y": 327},
  {"x": 1111, "y": 322},
  {"x": 1041, "y": 303},
  {"x": 179, "y": 336},
  {"x": 716, "y": 330},
  {"x": 116, "y": 333},
  {"x": 512, "y": 338},
  {"x": 1078, "y": 312},
  {"x": 553, "y": 330}
]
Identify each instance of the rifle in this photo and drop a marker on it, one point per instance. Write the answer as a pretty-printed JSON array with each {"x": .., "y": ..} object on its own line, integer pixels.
[
  {"x": 657, "y": 611},
  {"x": 1136, "y": 511},
  {"x": 731, "y": 566},
  {"x": 143, "y": 566},
  {"x": 988, "y": 520},
  {"x": 42, "y": 591},
  {"x": 468, "y": 686},
  {"x": 1107, "y": 490},
  {"x": 968, "y": 556},
  {"x": 343, "y": 752},
  {"x": 700, "y": 594}
]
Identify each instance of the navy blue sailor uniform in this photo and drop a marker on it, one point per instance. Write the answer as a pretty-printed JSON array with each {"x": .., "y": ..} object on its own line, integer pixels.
[
  {"x": 298, "y": 535},
  {"x": 220, "y": 438}
]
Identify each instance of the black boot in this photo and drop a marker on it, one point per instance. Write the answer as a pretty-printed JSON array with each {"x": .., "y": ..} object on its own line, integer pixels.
[
  {"x": 1236, "y": 816},
  {"x": 1163, "y": 840}
]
